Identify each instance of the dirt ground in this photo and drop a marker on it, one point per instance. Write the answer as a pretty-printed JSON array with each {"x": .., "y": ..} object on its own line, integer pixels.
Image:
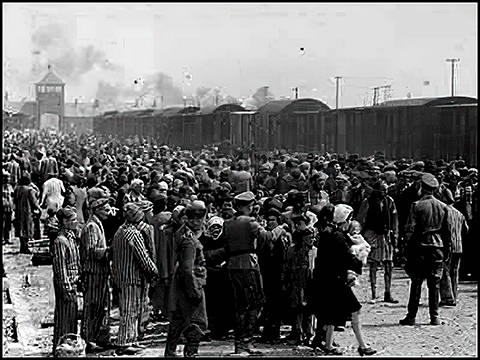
[{"x": 32, "y": 299}]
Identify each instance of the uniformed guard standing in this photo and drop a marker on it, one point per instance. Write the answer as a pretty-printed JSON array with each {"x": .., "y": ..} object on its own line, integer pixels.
[
  {"x": 187, "y": 310},
  {"x": 243, "y": 237},
  {"x": 427, "y": 245}
]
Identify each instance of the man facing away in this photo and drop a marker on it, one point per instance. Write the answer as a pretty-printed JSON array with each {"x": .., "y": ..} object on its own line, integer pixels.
[{"x": 428, "y": 244}]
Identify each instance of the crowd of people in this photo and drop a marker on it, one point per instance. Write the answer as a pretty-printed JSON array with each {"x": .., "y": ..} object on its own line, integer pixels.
[{"x": 219, "y": 240}]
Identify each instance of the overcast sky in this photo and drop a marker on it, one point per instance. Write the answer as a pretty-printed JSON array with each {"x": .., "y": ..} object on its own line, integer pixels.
[{"x": 240, "y": 47}]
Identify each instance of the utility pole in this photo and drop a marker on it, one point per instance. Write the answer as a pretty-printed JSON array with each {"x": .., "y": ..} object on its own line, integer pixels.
[
  {"x": 375, "y": 96},
  {"x": 453, "y": 61},
  {"x": 295, "y": 91},
  {"x": 337, "y": 78}
]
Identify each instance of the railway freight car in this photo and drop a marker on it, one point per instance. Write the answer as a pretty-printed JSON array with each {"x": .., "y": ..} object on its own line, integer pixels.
[
  {"x": 296, "y": 125},
  {"x": 126, "y": 123},
  {"x": 217, "y": 123},
  {"x": 192, "y": 128},
  {"x": 414, "y": 128}
]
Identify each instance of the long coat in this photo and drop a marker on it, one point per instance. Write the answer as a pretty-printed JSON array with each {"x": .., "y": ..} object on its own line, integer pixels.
[
  {"x": 26, "y": 202},
  {"x": 334, "y": 301}
]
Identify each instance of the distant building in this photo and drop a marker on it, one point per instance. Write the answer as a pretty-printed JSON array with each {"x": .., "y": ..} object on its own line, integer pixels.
[{"x": 50, "y": 97}]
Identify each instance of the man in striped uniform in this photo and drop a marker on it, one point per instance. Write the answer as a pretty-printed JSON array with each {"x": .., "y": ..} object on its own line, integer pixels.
[
  {"x": 132, "y": 268},
  {"x": 95, "y": 264},
  {"x": 146, "y": 229},
  {"x": 66, "y": 273}
]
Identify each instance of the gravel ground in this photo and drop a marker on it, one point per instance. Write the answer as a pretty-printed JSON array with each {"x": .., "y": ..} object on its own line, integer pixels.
[{"x": 33, "y": 299}]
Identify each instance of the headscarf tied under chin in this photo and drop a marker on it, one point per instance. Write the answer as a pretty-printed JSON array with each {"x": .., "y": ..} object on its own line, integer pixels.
[
  {"x": 342, "y": 213},
  {"x": 133, "y": 213}
]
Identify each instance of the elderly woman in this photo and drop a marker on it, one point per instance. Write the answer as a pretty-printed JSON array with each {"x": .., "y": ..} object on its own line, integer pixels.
[
  {"x": 66, "y": 274},
  {"x": 218, "y": 292}
]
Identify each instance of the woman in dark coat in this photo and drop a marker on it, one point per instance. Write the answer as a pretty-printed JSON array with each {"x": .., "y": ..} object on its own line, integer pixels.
[{"x": 335, "y": 302}]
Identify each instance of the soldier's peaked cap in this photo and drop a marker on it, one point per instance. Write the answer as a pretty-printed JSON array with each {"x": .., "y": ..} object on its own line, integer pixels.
[{"x": 245, "y": 197}]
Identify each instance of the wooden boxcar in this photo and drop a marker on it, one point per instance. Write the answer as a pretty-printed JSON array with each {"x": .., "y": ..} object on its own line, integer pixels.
[
  {"x": 290, "y": 124},
  {"x": 414, "y": 128}
]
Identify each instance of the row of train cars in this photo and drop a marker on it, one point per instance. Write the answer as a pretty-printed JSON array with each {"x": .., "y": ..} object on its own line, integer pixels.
[{"x": 418, "y": 128}]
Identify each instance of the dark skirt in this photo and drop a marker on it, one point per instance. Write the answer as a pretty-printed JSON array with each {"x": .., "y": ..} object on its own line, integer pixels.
[{"x": 335, "y": 304}]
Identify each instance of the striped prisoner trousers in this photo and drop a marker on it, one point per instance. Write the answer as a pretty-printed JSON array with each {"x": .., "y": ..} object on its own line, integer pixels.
[
  {"x": 130, "y": 302},
  {"x": 95, "y": 306},
  {"x": 65, "y": 318}
]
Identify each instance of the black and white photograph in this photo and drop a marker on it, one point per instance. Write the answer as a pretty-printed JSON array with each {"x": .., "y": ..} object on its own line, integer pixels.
[{"x": 240, "y": 179}]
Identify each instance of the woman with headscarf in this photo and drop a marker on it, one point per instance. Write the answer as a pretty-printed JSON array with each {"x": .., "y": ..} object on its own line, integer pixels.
[
  {"x": 66, "y": 274},
  {"x": 218, "y": 292},
  {"x": 26, "y": 207},
  {"x": 333, "y": 273}
]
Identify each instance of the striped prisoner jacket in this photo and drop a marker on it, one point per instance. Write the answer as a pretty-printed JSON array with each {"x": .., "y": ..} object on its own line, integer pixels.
[
  {"x": 93, "y": 247},
  {"x": 66, "y": 265},
  {"x": 131, "y": 263}
]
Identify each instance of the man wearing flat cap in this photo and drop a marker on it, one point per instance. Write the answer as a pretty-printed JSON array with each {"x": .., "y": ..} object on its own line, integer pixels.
[
  {"x": 96, "y": 269},
  {"x": 146, "y": 229},
  {"x": 428, "y": 244},
  {"x": 243, "y": 238},
  {"x": 66, "y": 275},
  {"x": 132, "y": 268}
]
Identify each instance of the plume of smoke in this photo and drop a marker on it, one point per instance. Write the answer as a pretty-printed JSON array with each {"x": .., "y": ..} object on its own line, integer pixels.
[
  {"x": 163, "y": 86},
  {"x": 217, "y": 96},
  {"x": 260, "y": 97}
]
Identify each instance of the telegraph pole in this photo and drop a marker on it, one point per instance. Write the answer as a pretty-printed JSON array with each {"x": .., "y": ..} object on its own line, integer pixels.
[
  {"x": 453, "y": 61},
  {"x": 337, "y": 78},
  {"x": 295, "y": 92}
]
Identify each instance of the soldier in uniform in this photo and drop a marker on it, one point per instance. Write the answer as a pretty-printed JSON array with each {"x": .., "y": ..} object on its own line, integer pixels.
[
  {"x": 187, "y": 310},
  {"x": 243, "y": 237},
  {"x": 428, "y": 244}
]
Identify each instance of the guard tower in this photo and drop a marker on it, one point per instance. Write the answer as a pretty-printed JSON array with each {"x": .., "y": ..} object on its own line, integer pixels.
[{"x": 50, "y": 97}]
